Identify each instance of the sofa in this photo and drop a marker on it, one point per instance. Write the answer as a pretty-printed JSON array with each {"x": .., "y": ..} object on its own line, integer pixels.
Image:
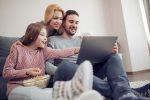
[{"x": 5, "y": 44}]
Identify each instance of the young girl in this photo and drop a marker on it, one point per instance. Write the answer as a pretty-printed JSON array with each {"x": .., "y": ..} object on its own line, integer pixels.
[{"x": 28, "y": 60}]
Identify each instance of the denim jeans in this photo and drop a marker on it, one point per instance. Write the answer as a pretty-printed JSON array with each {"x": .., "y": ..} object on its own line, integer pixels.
[{"x": 116, "y": 84}]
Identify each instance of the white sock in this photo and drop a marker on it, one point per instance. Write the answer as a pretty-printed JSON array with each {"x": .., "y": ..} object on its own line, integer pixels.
[{"x": 81, "y": 82}]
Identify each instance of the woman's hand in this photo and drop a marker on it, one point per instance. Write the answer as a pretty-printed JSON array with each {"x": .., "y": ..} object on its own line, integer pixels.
[
  {"x": 33, "y": 72},
  {"x": 115, "y": 48},
  {"x": 14, "y": 45}
]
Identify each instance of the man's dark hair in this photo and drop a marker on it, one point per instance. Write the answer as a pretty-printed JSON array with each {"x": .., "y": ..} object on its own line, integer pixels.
[
  {"x": 70, "y": 12},
  {"x": 67, "y": 13}
]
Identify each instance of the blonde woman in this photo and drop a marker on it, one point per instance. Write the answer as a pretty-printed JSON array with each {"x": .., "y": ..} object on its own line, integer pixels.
[{"x": 53, "y": 18}]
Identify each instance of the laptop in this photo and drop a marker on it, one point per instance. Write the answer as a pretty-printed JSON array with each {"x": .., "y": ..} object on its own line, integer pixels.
[{"x": 96, "y": 49}]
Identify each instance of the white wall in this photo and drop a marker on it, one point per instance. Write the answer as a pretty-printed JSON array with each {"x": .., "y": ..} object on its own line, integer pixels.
[
  {"x": 118, "y": 28},
  {"x": 136, "y": 35},
  {"x": 127, "y": 23},
  {"x": 15, "y": 15}
]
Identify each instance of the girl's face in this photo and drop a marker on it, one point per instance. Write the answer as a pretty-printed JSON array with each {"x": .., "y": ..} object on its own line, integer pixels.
[
  {"x": 42, "y": 39},
  {"x": 56, "y": 21}
]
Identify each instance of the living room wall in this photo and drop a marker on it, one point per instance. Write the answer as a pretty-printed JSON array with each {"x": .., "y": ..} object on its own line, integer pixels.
[
  {"x": 17, "y": 14},
  {"x": 127, "y": 24}
]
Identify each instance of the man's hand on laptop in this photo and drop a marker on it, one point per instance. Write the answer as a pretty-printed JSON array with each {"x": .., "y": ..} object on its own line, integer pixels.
[{"x": 115, "y": 49}]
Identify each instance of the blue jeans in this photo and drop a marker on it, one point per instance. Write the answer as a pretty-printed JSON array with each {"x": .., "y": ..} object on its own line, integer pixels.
[{"x": 116, "y": 84}]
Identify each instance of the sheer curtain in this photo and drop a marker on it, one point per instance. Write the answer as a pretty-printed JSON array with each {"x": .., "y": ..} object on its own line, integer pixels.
[{"x": 147, "y": 10}]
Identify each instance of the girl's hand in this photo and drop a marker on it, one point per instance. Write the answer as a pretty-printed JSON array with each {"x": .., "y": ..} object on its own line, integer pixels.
[{"x": 33, "y": 72}]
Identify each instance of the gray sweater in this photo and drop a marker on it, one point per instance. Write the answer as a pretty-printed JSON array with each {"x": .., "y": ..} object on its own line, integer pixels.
[{"x": 58, "y": 42}]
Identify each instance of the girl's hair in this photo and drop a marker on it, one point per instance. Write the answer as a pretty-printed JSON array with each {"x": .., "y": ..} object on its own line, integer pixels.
[
  {"x": 49, "y": 12},
  {"x": 32, "y": 32}
]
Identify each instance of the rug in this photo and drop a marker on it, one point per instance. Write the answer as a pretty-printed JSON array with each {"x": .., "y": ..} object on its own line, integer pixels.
[{"x": 136, "y": 84}]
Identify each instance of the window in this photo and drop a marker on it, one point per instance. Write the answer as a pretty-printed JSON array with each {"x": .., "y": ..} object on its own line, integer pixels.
[{"x": 145, "y": 10}]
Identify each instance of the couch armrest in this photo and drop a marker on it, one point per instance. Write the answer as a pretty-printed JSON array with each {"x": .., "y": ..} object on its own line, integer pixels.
[{"x": 2, "y": 62}]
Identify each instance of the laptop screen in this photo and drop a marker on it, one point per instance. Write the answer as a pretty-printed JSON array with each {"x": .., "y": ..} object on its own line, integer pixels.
[{"x": 96, "y": 48}]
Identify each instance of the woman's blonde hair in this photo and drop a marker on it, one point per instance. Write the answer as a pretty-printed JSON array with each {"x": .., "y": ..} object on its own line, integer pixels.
[{"x": 49, "y": 12}]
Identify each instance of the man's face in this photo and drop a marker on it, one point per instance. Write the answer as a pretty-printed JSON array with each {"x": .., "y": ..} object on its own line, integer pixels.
[{"x": 71, "y": 24}]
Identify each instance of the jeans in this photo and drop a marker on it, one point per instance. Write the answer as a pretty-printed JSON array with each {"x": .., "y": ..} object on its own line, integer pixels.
[{"x": 116, "y": 84}]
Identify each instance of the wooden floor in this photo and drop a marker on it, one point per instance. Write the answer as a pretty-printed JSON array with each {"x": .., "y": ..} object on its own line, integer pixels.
[{"x": 140, "y": 76}]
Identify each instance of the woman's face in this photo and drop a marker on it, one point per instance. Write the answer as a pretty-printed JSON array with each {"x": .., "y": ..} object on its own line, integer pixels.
[
  {"x": 42, "y": 39},
  {"x": 56, "y": 21}
]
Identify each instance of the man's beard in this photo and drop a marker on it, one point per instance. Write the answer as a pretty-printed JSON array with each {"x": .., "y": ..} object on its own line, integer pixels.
[{"x": 69, "y": 33}]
